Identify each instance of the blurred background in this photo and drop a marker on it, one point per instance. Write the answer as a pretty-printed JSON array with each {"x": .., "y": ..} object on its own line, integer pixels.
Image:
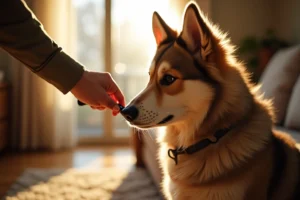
[{"x": 116, "y": 36}]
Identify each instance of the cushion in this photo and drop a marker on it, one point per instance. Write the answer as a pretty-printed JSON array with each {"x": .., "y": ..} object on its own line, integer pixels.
[
  {"x": 294, "y": 133},
  {"x": 279, "y": 78},
  {"x": 292, "y": 119}
]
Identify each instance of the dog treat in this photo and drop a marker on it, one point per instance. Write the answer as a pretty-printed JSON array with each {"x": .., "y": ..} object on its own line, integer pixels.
[{"x": 83, "y": 104}]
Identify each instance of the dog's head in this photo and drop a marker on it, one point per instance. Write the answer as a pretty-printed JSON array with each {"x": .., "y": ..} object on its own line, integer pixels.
[{"x": 184, "y": 73}]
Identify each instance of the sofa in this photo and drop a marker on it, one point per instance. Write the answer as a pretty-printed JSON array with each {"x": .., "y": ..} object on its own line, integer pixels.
[{"x": 279, "y": 81}]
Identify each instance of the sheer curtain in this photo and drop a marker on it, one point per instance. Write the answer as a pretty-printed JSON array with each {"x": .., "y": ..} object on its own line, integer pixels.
[{"x": 42, "y": 117}]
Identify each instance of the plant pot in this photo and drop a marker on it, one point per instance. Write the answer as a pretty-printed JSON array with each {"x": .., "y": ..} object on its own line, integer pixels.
[{"x": 264, "y": 56}]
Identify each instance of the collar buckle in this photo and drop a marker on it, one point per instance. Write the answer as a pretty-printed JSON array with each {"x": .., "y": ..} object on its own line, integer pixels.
[
  {"x": 213, "y": 139},
  {"x": 173, "y": 153}
]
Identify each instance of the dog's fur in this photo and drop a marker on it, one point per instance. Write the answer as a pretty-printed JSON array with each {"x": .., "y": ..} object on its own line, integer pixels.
[{"x": 212, "y": 91}]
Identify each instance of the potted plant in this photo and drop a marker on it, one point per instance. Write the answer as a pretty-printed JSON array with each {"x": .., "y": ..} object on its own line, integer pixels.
[{"x": 257, "y": 52}]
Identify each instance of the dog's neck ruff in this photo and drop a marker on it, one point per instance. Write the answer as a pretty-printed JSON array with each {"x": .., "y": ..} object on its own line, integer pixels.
[{"x": 173, "y": 153}]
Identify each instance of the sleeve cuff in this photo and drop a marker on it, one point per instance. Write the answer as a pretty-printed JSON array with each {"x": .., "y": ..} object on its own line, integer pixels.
[{"x": 62, "y": 71}]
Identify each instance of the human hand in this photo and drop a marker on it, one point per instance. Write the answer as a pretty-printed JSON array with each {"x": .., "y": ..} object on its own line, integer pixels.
[{"x": 99, "y": 91}]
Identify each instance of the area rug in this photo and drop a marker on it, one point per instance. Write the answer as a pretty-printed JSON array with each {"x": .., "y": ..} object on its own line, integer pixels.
[{"x": 81, "y": 184}]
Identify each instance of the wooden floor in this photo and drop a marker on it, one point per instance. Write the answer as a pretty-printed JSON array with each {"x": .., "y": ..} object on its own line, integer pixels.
[{"x": 13, "y": 164}]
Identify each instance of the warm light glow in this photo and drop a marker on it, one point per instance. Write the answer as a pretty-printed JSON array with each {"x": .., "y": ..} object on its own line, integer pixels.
[
  {"x": 132, "y": 46},
  {"x": 168, "y": 14},
  {"x": 141, "y": 14},
  {"x": 65, "y": 101},
  {"x": 161, "y": 133},
  {"x": 120, "y": 68},
  {"x": 161, "y": 130},
  {"x": 140, "y": 17}
]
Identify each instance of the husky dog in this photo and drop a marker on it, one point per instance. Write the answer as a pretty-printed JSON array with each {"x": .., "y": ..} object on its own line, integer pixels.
[{"x": 219, "y": 141}]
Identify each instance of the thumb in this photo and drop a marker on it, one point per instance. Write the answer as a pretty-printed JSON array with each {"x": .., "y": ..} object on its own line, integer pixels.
[{"x": 111, "y": 104}]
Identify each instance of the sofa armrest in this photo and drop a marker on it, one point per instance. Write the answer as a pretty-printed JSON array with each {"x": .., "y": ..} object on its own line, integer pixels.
[{"x": 294, "y": 133}]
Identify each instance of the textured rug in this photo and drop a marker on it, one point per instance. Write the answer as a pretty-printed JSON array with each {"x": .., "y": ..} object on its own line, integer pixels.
[{"x": 75, "y": 184}]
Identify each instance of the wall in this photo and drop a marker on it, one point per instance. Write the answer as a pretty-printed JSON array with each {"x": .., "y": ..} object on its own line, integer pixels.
[
  {"x": 253, "y": 17},
  {"x": 288, "y": 19},
  {"x": 242, "y": 18}
]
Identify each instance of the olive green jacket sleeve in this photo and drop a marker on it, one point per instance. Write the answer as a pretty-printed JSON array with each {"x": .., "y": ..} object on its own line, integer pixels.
[{"x": 23, "y": 37}]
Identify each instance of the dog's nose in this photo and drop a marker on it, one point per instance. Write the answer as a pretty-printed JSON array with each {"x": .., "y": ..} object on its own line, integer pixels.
[{"x": 130, "y": 113}]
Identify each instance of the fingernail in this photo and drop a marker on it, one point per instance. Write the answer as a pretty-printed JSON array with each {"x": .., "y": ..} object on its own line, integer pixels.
[
  {"x": 115, "y": 114},
  {"x": 116, "y": 109}
]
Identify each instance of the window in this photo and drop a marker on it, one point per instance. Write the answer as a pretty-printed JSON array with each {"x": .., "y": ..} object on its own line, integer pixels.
[
  {"x": 132, "y": 47},
  {"x": 90, "y": 17}
]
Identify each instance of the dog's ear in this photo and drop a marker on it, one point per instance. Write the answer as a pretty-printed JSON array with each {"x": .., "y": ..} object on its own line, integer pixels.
[
  {"x": 162, "y": 32},
  {"x": 195, "y": 33}
]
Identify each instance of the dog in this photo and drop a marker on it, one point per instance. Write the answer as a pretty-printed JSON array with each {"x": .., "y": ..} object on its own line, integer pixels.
[{"x": 219, "y": 142}]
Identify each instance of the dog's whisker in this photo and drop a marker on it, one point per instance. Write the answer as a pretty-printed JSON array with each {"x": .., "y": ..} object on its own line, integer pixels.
[
  {"x": 150, "y": 132},
  {"x": 137, "y": 131}
]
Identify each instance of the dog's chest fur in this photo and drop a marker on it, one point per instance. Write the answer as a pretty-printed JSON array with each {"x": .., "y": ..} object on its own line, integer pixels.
[
  {"x": 213, "y": 173},
  {"x": 182, "y": 182}
]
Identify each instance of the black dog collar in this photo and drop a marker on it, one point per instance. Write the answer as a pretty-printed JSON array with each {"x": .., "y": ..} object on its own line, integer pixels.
[{"x": 173, "y": 153}]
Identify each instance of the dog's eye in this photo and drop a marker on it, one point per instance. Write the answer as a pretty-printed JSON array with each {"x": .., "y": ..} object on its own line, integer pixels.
[{"x": 167, "y": 80}]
